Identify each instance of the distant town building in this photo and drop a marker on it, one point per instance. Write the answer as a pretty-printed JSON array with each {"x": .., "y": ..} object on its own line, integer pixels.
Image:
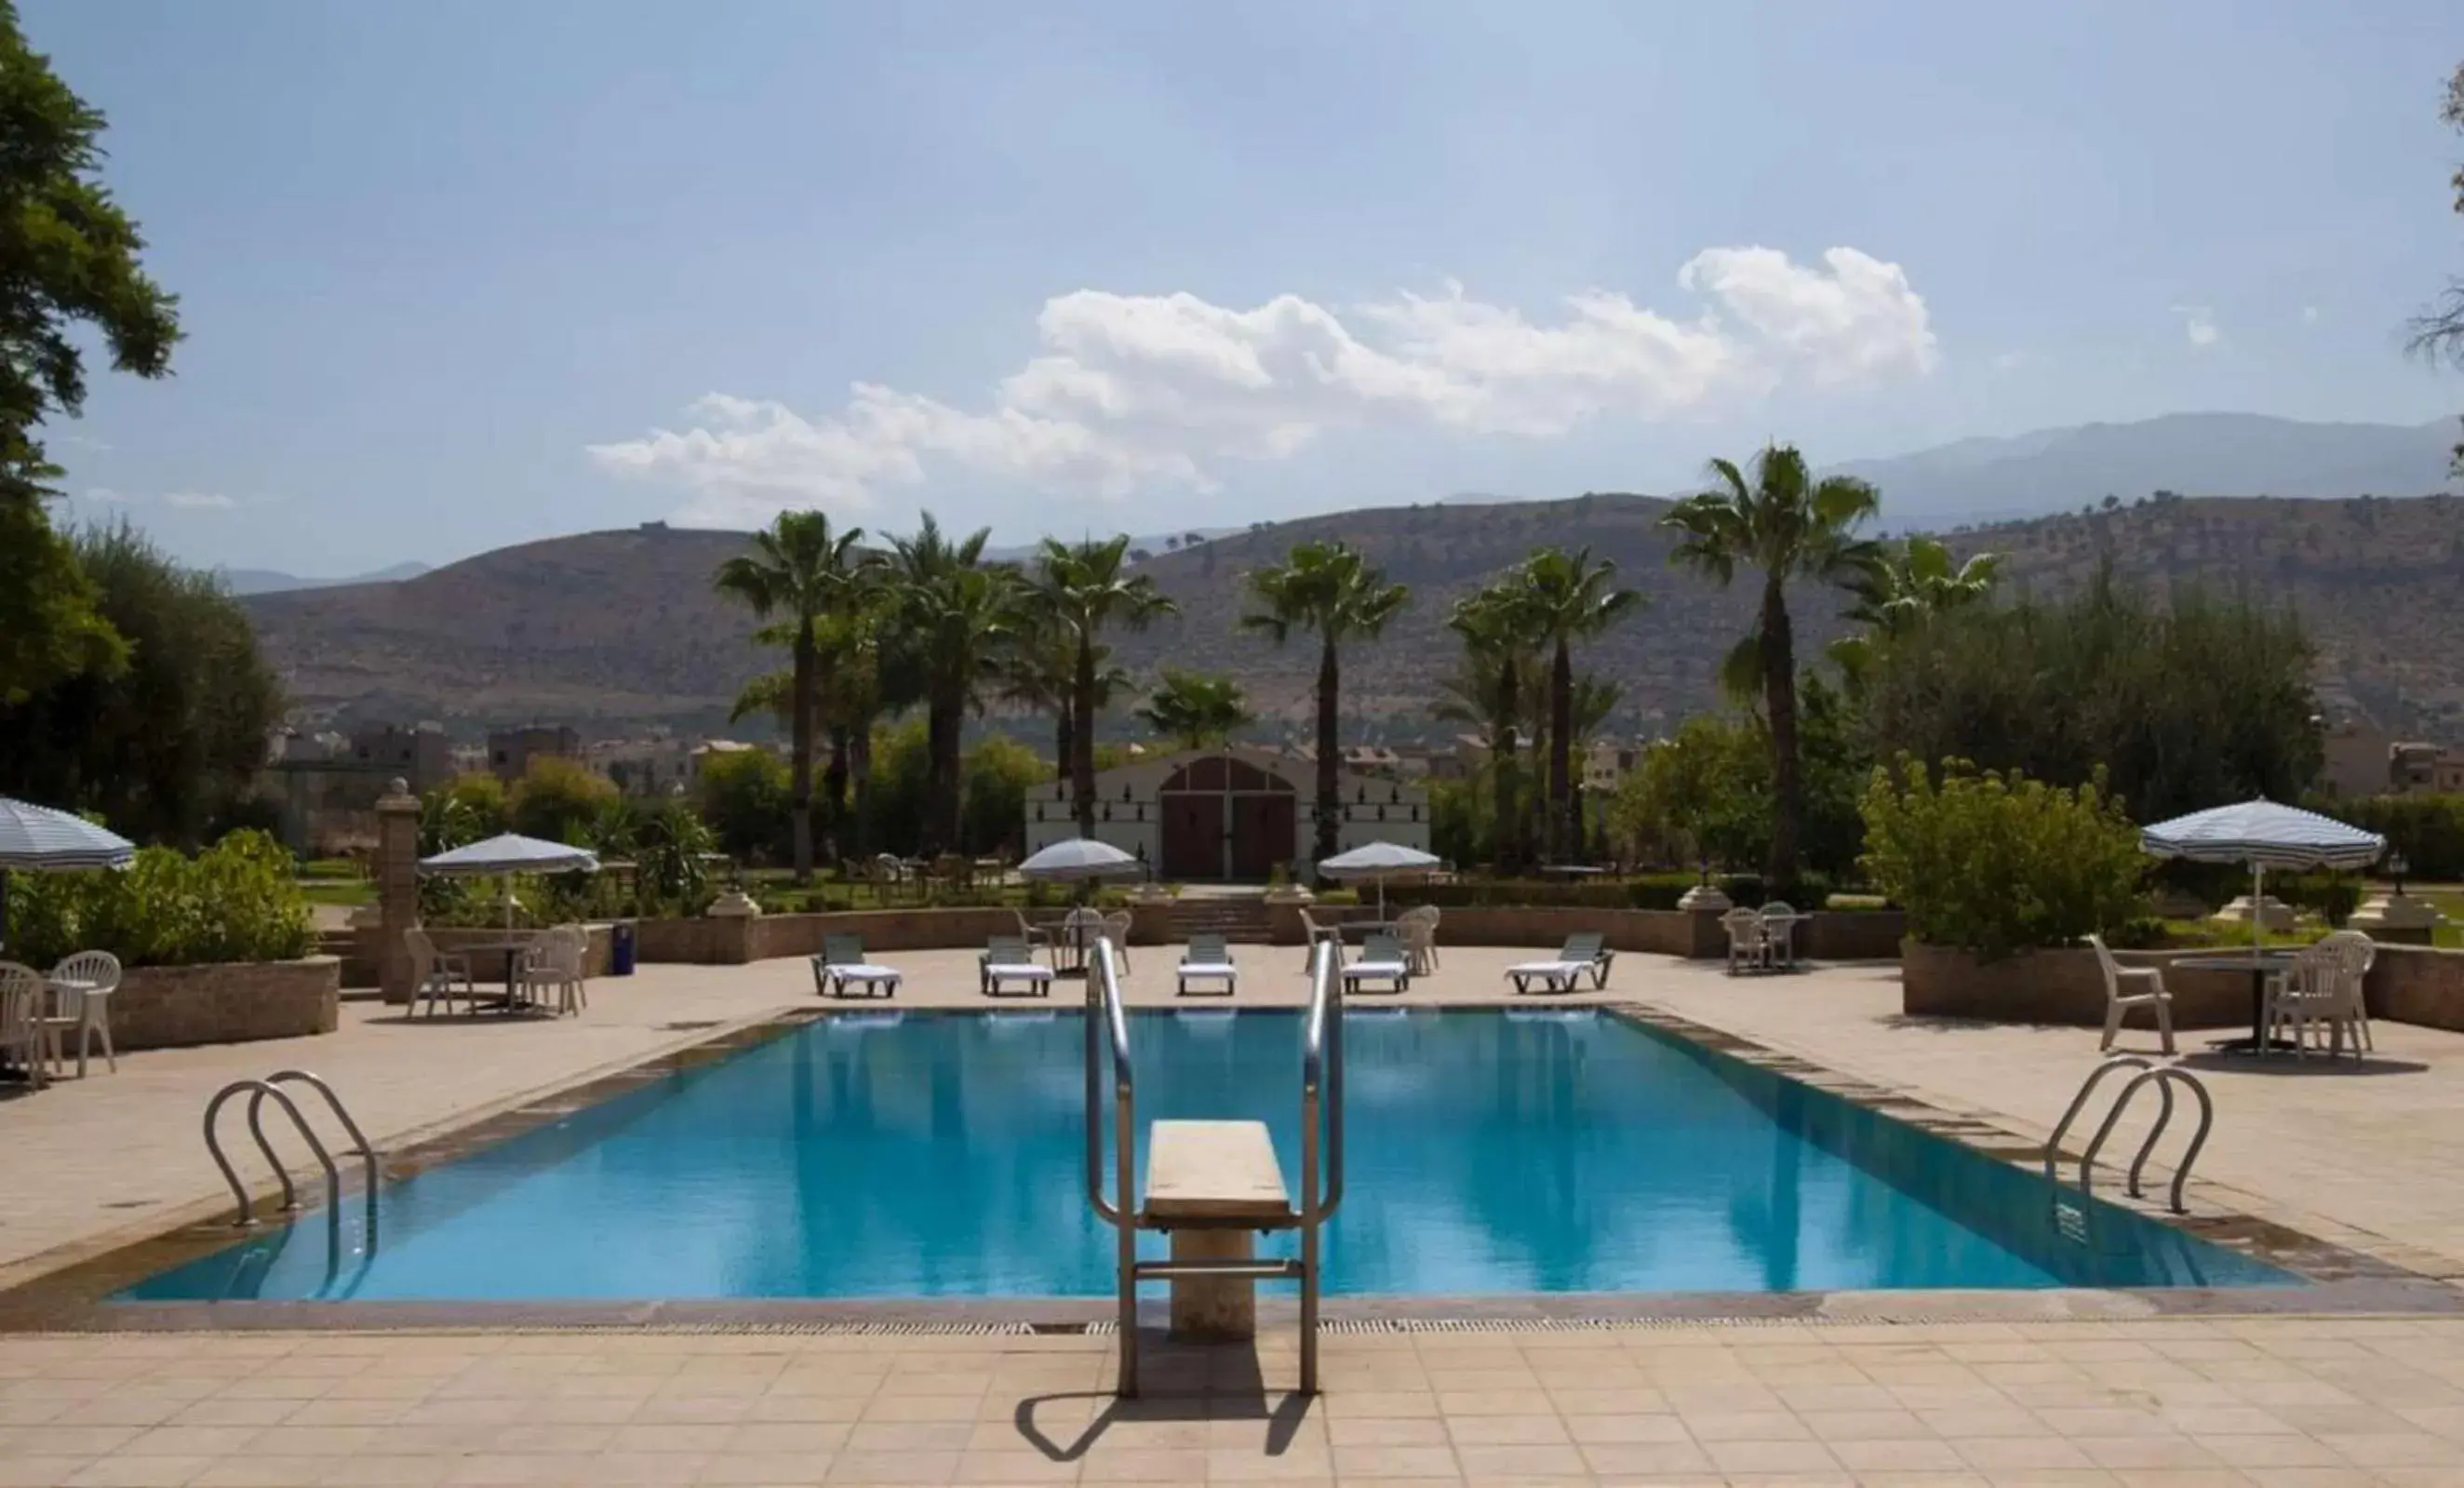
[
  {"x": 1233, "y": 813},
  {"x": 2417, "y": 767},
  {"x": 651, "y": 766},
  {"x": 325, "y": 786},
  {"x": 511, "y": 751},
  {"x": 420, "y": 754},
  {"x": 2359, "y": 758},
  {"x": 1606, "y": 763}
]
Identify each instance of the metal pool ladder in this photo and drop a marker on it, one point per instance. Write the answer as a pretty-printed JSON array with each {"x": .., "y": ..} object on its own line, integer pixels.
[
  {"x": 1108, "y": 1032},
  {"x": 270, "y": 1088},
  {"x": 2163, "y": 1077}
]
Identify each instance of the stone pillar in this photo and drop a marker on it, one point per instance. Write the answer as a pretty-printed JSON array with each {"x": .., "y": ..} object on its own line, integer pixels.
[
  {"x": 1213, "y": 1309},
  {"x": 397, "y": 888}
]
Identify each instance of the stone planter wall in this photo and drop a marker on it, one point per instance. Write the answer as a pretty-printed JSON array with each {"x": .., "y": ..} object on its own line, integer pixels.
[
  {"x": 2414, "y": 984},
  {"x": 2063, "y": 986},
  {"x": 175, "y": 1007}
]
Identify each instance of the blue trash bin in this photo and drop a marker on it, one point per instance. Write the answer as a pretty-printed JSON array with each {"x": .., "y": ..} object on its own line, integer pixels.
[{"x": 620, "y": 948}]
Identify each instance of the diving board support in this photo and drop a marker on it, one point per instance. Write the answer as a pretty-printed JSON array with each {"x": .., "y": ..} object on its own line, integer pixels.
[{"x": 1214, "y": 1185}]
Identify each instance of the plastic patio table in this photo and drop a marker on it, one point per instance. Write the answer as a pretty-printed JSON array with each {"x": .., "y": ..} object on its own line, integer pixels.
[{"x": 2259, "y": 965}]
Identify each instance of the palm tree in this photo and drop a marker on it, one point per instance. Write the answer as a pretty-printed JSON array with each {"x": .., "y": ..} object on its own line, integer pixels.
[
  {"x": 1788, "y": 525},
  {"x": 1038, "y": 671},
  {"x": 1195, "y": 709},
  {"x": 1900, "y": 590},
  {"x": 955, "y": 613},
  {"x": 1328, "y": 588},
  {"x": 1084, "y": 588},
  {"x": 1568, "y": 599},
  {"x": 797, "y": 571},
  {"x": 1488, "y": 691},
  {"x": 1594, "y": 698}
]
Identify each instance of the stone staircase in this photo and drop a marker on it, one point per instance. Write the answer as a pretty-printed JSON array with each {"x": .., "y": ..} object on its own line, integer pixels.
[{"x": 1239, "y": 918}]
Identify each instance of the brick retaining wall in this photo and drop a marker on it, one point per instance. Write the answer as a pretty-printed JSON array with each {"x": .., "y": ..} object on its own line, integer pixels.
[
  {"x": 2414, "y": 984},
  {"x": 174, "y": 1007}
]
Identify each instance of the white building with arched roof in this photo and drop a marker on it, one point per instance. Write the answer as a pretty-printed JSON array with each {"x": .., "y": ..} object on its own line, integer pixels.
[{"x": 1230, "y": 815}]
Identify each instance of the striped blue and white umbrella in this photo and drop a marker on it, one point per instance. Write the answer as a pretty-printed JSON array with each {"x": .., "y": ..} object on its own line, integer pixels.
[
  {"x": 50, "y": 841},
  {"x": 47, "y": 840},
  {"x": 508, "y": 853},
  {"x": 2264, "y": 835},
  {"x": 1380, "y": 861},
  {"x": 1080, "y": 858}
]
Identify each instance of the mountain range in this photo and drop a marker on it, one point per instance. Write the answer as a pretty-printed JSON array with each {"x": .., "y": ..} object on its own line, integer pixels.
[
  {"x": 269, "y": 581},
  {"x": 613, "y": 629}
]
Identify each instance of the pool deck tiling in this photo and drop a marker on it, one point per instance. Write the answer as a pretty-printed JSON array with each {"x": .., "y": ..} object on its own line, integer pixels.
[{"x": 2358, "y": 1164}]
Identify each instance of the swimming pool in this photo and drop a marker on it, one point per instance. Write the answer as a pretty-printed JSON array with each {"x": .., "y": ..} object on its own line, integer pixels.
[{"x": 942, "y": 1156}]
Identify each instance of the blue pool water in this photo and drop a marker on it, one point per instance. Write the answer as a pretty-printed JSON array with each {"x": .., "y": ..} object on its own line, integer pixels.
[{"x": 1489, "y": 1152}]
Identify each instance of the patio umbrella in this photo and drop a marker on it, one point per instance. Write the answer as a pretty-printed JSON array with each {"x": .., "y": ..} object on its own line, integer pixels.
[
  {"x": 1079, "y": 860},
  {"x": 510, "y": 853},
  {"x": 48, "y": 840},
  {"x": 2263, "y": 835},
  {"x": 1379, "y": 861}
]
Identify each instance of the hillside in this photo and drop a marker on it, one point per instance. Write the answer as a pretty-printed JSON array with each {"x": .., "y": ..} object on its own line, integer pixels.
[
  {"x": 610, "y": 629},
  {"x": 2197, "y": 454}
]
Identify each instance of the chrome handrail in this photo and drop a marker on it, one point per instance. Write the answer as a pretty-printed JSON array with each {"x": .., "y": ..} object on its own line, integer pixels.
[
  {"x": 1321, "y": 1101},
  {"x": 2087, "y": 1087},
  {"x": 1103, "y": 1002},
  {"x": 361, "y": 1145},
  {"x": 259, "y": 1091},
  {"x": 2163, "y": 1079}
]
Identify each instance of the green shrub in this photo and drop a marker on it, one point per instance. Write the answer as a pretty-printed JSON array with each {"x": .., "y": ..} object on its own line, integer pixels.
[
  {"x": 2427, "y": 829},
  {"x": 1992, "y": 864},
  {"x": 236, "y": 901}
]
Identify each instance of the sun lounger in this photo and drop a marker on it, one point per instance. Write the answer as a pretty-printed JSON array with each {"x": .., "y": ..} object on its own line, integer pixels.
[
  {"x": 841, "y": 970},
  {"x": 1381, "y": 959},
  {"x": 1583, "y": 953},
  {"x": 1007, "y": 959},
  {"x": 1209, "y": 959}
]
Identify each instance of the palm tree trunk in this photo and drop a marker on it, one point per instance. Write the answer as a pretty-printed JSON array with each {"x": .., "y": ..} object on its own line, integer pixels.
[
  {"x": 1082, "y": 729},
  {"x": 1567, "y": 828},
  {"x": 1779, "y": 696},
  {"x": 1502, "y": 850},
  {"x": 1065, "y": 745},
  {"x": 834, "y": 784},
  {"x": 948, "y": 809},
  {"x": 860, "y": 777},
  {"x": 799, "y": 762},
  {"x": 1330, "y": 809}
]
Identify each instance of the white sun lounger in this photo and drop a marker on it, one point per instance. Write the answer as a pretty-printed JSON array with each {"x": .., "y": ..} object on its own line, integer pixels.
[
  {"x": 1209, "y": 960},
  {"x": 841, "y": 970},
  {"x": 1381, "y": 959},
  {"x": 1551, "y": 975},
  {"x": 1007, "y": 959}
]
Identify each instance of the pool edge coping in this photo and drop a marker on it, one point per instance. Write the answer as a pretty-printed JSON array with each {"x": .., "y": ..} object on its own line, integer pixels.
[{"x": 71, "y": 1296}]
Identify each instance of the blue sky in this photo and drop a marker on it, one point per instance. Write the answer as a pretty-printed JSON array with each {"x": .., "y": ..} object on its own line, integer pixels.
[{"x": 465, "y": 272}]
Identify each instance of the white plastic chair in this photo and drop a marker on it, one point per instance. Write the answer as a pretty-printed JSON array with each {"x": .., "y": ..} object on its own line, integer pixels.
[
  {"x": 1419, "y": 938},
  {"x": 2324, "y": 985},
  {"x": 554, "y": 964},
  {"x": 1779, "y": 934},
  {"x": 21, "y": 1019},
  {"x": 82, "y": 987},
  {"x": 1116, "y": 925},
  {"x": 433, "y": 974},
  {"x": 1748, "y": 947},
  {"x": 2117, "y": 1000}
]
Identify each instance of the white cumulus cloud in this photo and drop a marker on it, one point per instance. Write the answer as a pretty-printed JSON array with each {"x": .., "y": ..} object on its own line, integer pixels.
[
  {"x": 1134, "y": 392},
  {"x": 2199, "y": 324},
  {"x": 199, "y": 501}
]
